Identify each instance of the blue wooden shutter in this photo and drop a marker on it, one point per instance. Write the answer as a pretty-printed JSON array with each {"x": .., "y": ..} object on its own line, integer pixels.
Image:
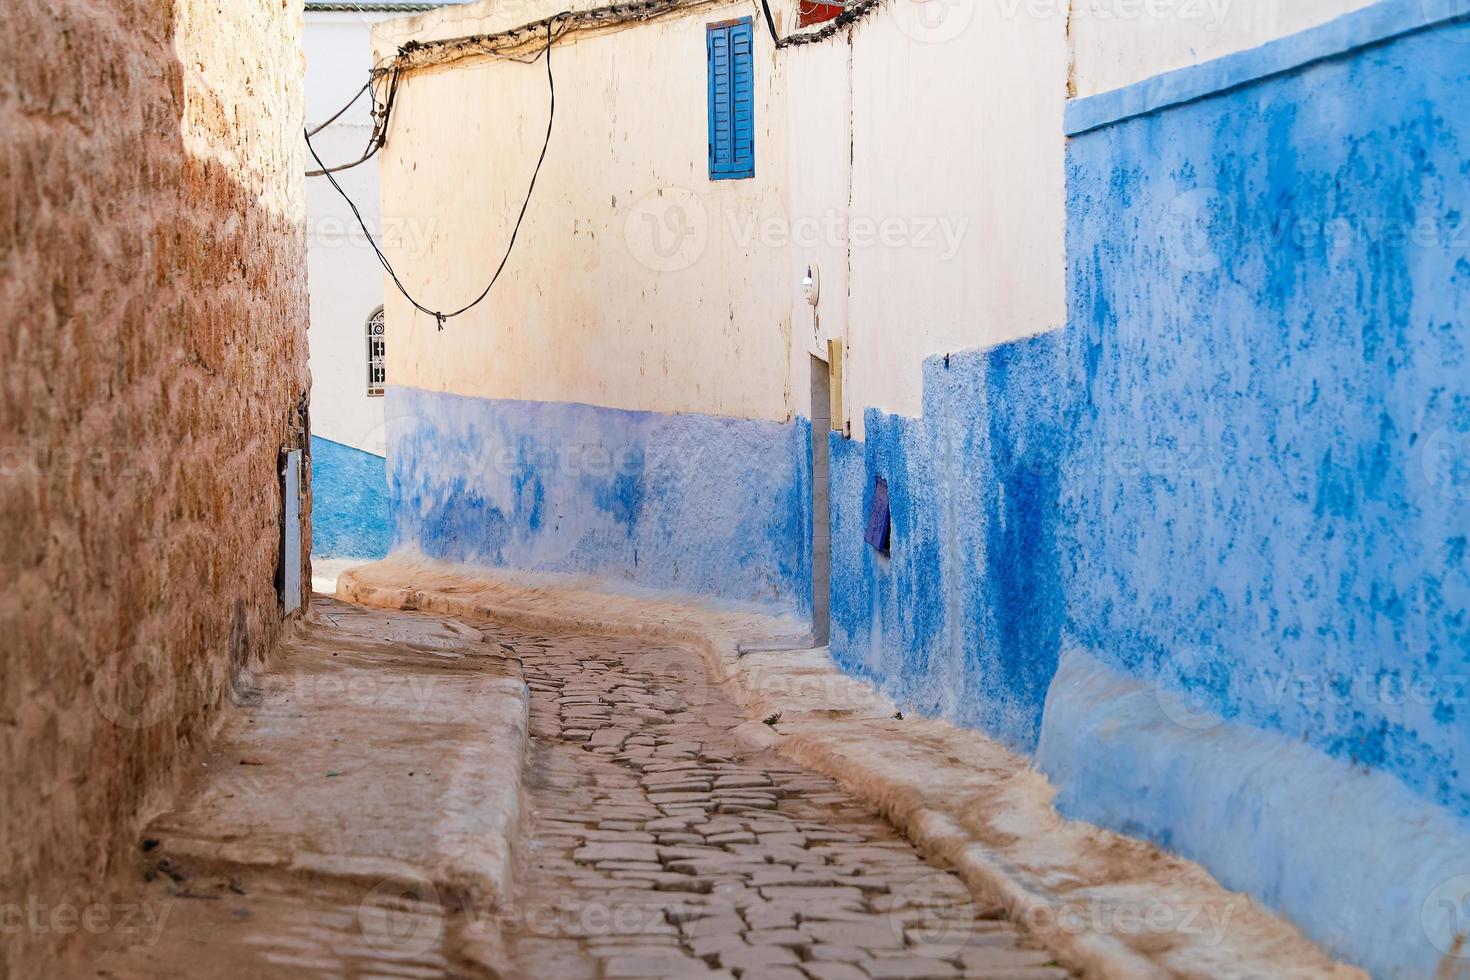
[{"x": 731, "y": 101}]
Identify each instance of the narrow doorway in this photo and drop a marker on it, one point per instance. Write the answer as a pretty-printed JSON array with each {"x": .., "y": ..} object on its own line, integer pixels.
[{"x": 821, "y": 525}]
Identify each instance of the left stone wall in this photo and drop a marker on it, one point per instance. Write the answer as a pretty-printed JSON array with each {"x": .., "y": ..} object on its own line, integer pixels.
[{"x": 153, "y": 246}]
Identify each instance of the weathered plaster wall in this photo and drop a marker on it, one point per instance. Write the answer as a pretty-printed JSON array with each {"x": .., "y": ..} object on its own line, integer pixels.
[
  {"x": 1269, "y": 288},
  {"x": 345, "y": 278},
  {"x": 963, "y": 618},
  {"x": 152, "y": 245},
  {"x": 639, "y": 284},
  {"x": 639, "y": 317},
  {"x": 957, "y": 162},
  {"x": 636, "y": 281},
  {"x": 1235, "y": 483},
  {"x": 927, "y": 186},
  {"x": 689, "y": 503}
]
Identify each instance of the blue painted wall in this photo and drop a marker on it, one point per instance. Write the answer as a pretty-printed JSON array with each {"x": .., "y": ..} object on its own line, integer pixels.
[
  {"x": 1231, "y": 496},
  {"x": 1243, "y": 470},
  {"x": 1270, "y": 297},
  {"x": 349, "y": 502},
  {"x": 963, "y": 618},
  {"x": 690, "y": 503}
]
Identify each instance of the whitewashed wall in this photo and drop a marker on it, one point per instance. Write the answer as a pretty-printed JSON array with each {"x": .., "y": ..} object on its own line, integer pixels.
[
  {"x": 345, "y": 279},
  {"x": 924, "y": 181},
  {"x": 1119, "y": 42},
  {"x": 637, "y": 282},
  {"x": 957, "y": 149}
]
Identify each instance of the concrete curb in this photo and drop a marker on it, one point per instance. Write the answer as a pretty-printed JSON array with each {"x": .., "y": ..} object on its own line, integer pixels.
[
  {"x": 957, "y": 795},
  {"x": 274, "y": 814}
]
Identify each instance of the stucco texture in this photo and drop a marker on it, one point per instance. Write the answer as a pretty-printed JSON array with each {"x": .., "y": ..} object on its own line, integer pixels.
[
  {"x": 963, "y": 617},
  {"x": 349, "y": 494},
  {"x": 697, "y": 504},
  {"x": 153, "y": 247},
  {"x": 1242, "y": 467},
  {"x": 1269, "y": 289},
  {"x": 1237, "y": 479}
]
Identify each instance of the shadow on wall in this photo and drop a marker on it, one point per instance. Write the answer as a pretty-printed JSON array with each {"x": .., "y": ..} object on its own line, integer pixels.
[
  {"x": 157, "y": 373},
  {"x": 349, "y": 489}
]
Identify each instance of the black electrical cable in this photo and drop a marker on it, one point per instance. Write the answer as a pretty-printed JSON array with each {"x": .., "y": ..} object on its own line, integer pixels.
[
  {"x": 338, "y": 114},
  {"x": 376, "y": 139},
  {"x": 771, "y": 23},
  {"x": 439, "y": 316}
]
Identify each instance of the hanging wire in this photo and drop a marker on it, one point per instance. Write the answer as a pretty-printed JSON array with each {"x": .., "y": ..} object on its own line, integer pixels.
[
  {"x": 380, "y": 137},
  {"x": 416, "y": 54},
  {"x": 338, "y": 114}
]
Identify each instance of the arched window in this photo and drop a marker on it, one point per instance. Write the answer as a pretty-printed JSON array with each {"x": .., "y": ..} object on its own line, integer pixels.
[{"x": 377, "y": 354}]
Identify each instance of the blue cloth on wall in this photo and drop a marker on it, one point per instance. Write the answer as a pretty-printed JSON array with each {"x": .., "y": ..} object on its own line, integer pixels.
[{"x": 878, "y": 523}]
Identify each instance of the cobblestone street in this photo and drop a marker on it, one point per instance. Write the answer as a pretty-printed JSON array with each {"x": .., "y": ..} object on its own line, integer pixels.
[{"x": 658, "y": 843}]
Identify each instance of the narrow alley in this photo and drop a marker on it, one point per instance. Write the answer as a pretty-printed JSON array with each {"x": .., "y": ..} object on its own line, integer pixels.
[
  {"x": 653, "y": 841},
  {"x": 747, "y": 489}
]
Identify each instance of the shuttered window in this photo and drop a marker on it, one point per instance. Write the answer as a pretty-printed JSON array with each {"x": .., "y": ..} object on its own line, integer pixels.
[{"x": 731, "y": 101}]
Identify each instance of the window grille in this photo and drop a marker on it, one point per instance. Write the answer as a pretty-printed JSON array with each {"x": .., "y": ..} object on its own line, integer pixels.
[{"x": 377, "y": 354}]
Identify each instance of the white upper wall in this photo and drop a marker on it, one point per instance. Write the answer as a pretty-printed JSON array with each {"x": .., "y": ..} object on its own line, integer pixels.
[
  {"x": 344, "y": 278},
  {"x": 914, "y": 160},
  {"x": 958, "y": 183},
  {"x": 636, "y": 281},
  {"x": 343, "y": 275},
  {"x": 1119, "y": 42}
]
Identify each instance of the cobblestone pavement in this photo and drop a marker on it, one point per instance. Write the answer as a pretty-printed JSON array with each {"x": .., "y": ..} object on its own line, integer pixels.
[{"x": 658, "y": 844}]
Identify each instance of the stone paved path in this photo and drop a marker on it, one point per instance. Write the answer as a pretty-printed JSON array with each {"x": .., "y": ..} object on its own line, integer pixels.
[{"x": 658, "y": 844}]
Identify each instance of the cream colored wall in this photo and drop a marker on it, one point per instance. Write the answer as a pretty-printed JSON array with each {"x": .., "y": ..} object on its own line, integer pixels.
[
  {"x": 636, "y": 282},
  {"x": 820, "y": 182},
  {"x": 1119, "y": 42},
  {"x": 915, "y": 161},
  {"x": 951, "y": 115}
]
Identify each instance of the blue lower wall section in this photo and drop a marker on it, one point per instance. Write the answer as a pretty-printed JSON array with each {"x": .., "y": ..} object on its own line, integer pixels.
[
  {"x": 1240, "y": 476},
  {"x": 349, "y": 502},
  {"x": 1270, "y": 293},
  {"x": 963, "y": 618},
  {"x": 689, "y": 503}
]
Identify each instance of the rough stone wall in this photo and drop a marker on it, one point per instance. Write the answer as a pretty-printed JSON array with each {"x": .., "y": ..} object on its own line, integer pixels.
[{"x": 152, "y": 277}]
